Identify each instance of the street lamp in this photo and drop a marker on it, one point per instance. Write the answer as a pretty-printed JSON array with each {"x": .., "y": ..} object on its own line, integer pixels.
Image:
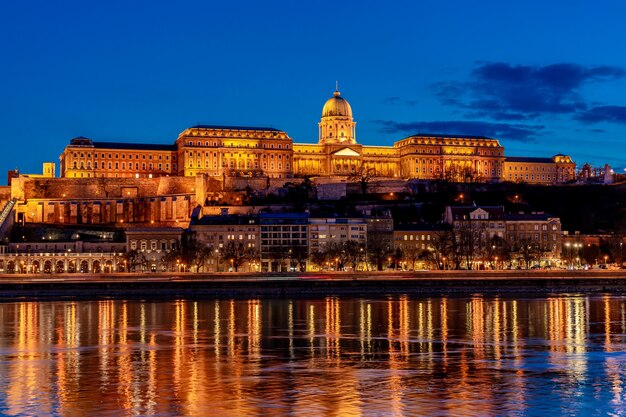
[
  {"x": 336, "y": 264},
  {"x": 361, "y": 256}
]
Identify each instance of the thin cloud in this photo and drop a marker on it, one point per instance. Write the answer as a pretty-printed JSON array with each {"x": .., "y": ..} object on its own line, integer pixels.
[
  {"x": 397, "y": 100},
  {"x": 613, "y": 114},
  {"x": 516, "y": 132},
  {"x": 502, "y": 91}
]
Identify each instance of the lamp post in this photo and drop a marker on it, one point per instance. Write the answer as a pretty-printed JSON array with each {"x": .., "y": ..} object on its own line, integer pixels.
[{"x": 361, "y": 256}]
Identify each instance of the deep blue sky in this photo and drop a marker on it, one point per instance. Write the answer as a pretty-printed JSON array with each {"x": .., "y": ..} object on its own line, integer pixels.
[{"x": 543, "y": 77}]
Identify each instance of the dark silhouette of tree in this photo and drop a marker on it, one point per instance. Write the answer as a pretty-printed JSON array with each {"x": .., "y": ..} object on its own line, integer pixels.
[
  {"x": 362, "y": 176},
  {"x": 527, "y": 251},
  {"x": 379, "y": 248},
  {"x": 135, "y": 258},
  {"x": 170, "y": 258},
  {"x": 235, "y": 253},
  {"x": 444, "y": 244},
  {"x": 298, "y": 255}
]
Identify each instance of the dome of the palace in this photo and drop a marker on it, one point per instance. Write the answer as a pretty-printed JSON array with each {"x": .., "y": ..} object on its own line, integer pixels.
[{"x": 337, "y": 106}]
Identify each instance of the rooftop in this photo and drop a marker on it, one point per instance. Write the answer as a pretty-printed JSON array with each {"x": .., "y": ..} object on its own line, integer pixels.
[
  {"x": 438, "y": 135},
  {"x": 221, "y": 127},
  {"x": 529, "y": 159},
  {"x": 529, "y": 216},
  {"x": 134, "y": 146}
]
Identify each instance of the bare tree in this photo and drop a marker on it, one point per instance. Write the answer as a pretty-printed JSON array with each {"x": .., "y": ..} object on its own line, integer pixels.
[
  {"x": 527, "y": 251},
  {"x": 363, "y": 176},
  {"x": 135, "y": 258},
  {"x": 379, "y": 248},
  {"x": 444, "y": 245},
  {"x": 237, "y": 254}
]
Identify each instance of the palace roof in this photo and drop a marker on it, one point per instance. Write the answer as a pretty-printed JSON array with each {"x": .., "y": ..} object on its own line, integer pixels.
[
  {"x": 529, "y": 159},
  {"x": 134, "y": 146},
  {"x": 437, "y": 135},
  {"x": 270, "y": 129}
]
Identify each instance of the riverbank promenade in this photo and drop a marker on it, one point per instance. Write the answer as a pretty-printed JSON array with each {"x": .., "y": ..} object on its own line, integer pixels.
[{"x": 310, "y": 283}]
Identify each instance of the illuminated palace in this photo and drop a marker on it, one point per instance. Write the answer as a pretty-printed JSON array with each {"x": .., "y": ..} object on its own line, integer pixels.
[{"x": 256, "y": 152}]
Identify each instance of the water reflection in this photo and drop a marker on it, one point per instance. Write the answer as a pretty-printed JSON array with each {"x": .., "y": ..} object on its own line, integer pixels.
[{"x": 394, "y": 356}]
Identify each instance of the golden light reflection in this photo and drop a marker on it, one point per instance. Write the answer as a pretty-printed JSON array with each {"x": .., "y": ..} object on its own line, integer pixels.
[
  {"x": 396, "y": 388},
  {"x": 24, "y": 368},
  {"x": 254, "y": 329},
  {"x": 124, "y": 364},
  {"x": 333, "y": 356},
  {"x": 443, "y": 314},
  {"x": 333, "y": 329},
  {"x": 311, "y": 330},
  {"x": 290, "y": 328}
]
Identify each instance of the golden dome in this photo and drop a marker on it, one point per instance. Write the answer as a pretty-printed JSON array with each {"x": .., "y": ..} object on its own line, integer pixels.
[{"x": 337, "y": 106}]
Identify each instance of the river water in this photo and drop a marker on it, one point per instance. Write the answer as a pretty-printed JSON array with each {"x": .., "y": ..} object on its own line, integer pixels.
[{"x": 475, "y": 356}]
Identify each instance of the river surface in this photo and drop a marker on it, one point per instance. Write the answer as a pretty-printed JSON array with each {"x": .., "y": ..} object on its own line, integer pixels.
[{"x": 476, "y": 356}]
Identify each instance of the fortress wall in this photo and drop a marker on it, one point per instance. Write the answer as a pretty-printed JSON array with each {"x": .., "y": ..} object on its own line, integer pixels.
[
  {"x": 5, "y": 195},
  {"x": 25, "y": 188},
  {"x": 165, "y": 210},
  {"x": 176, "y": 185},
  {"x": 259, "y": 183}
]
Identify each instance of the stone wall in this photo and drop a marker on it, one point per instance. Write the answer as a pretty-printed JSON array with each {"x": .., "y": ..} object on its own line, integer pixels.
[
  {"x": 165, "y": 210},
  {"x": 25, "y": 188}
]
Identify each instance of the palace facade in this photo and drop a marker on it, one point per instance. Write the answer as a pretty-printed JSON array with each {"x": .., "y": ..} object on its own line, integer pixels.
[{"x": 257, "y": 152}]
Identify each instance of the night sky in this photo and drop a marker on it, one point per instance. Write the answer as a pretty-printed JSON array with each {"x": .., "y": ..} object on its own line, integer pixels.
[{"x": 542, "y": 77}]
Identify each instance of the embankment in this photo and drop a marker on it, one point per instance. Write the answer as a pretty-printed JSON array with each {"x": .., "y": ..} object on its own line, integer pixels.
[{"x": 311, "y": 284}]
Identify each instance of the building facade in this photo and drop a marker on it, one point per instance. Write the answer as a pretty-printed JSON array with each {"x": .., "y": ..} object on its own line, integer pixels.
[
  {"x": 263, "y": 152},
  {"x": 84, "y": 158},
  {"x": 327, "y": 231},
  {"x": 284, "y": 241},
  {"x": 558, "y": 169}
]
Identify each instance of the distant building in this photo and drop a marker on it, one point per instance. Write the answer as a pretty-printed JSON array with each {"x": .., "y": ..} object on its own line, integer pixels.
[
  {"x": 283, "y": 237},
  {"x": 215, "y": 233},
  {"x": 334, "y": 230},
  {"x": 541, "y": 230},
  {"x": 524, "y": 236},
  {"x": 264, "y": 152},
  {"x": 488, "y": 221},
  {"x": 558, "y": 169},
  {"x": 152, "y": 244}
]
